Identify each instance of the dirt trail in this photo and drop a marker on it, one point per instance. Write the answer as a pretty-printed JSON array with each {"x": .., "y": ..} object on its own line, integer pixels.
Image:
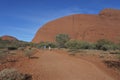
[{"x": 53, "y": 65}]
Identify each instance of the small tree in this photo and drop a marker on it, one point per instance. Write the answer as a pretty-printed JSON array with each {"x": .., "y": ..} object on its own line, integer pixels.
[{"x": 61, "y": 39}]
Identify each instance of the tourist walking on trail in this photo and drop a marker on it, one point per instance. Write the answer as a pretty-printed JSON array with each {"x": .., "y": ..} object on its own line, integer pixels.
[
  {"x": 44, "y": 47},
  {"x": 49, "y": 48}
]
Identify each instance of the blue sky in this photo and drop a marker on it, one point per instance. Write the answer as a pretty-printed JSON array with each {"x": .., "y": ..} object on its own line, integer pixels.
[{"x": 22, "y": 18}]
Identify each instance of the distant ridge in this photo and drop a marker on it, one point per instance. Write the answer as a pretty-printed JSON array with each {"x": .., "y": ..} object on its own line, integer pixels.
[
  {"x": 87, "y": 27},
  {"x": 9, "y": 38}
]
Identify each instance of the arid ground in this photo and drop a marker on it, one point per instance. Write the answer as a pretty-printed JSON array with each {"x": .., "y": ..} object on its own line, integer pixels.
[{"x": 58, "y": 65}]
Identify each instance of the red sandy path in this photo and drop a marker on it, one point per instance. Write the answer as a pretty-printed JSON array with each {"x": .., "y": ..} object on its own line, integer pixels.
[{"x": 53, "y": 65}]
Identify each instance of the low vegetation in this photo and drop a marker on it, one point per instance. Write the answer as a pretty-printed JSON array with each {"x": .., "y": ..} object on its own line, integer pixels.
[
  {"x": 29, "y": 52},
  {"x": 61, "y": 39},
  {"x": 47, "y": 44},
  {"x": 13, "y": 74},
  {"x": 76, "y": 44},
  {"x": 110, "y": 52},
  {"x": 12, "y": 45},
  {"x": 105, "y": 45}
]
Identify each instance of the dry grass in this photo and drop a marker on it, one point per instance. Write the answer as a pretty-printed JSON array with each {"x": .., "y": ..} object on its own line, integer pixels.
[{"x": 110, "y": 58}]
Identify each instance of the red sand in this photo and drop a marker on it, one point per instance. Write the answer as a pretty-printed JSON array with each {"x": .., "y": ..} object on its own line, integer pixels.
[{"x": 57, "y": 65}]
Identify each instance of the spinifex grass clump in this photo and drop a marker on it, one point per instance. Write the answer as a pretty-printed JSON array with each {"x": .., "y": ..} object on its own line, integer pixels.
[{"x": 13, "y": 74}]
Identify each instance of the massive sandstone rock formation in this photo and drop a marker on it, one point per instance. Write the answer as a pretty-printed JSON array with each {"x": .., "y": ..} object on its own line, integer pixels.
[{"x": 88, "y": 27}]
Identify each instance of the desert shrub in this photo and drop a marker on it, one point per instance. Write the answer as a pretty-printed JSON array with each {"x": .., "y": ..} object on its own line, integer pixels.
[
  {"x": 84, "y": 45},
  {"x": 72, "y": 44},
  {"x": 92, "y": 46},
  {"x": 61, "y": 39},
  {"x": 105, "y": 45},
  {"x": 52, "y": 45},
  {"x": 112, "y": 46},
  {"x": 118, "y": 46},
  {"x": 13, "y": 74},
  {"x": 32, "y": 44},
  {"x": 47, "y": 44},
  {"x": 6, "y": 44},
  {"x": 112, "y": 64},
  {"x": 76, "y": 44},
  {"x": 12, "y": 48},
  {"x": 41, "y": 45},
  {"x": 29, "y": 52}
]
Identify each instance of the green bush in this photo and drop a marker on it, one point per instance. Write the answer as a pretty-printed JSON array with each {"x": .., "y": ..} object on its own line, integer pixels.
[
  {"x": 72, "y": 44},
  {"x": 105, "y": 45},
  {"x": 13, "y": 74},
  {"x": 76, "y": 44},
  {"x": 61, "y": 39},
  {"x": 92, "y": 46},
  {"x": 84, "y": 45}
]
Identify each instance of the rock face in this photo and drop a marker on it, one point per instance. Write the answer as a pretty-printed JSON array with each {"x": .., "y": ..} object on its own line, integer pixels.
[
  {"x": 87, "y": 27},
  {"x": 9, "y": 38}
]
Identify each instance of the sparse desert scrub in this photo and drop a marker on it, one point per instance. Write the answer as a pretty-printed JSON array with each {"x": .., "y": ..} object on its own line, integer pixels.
[
  {"x": 114, "y": 52},
  {"x": 13, "y": 74},
  {"x": 12, "y": 44},
  {"x": 8, "y": 56},
  {"x": 110, "y": 58},
  {"x": 105, "y": 45},
  {"x": 76, "y": 44},
  {"x": 29, "y": 52}
]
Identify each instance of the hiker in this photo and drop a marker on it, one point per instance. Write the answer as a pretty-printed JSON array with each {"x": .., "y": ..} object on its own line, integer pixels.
[
  {"x": 49, "y": 48},
  {"x": 44, "y": 47}
]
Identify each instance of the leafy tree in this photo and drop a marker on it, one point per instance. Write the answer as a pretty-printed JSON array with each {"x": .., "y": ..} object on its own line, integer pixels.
[{"x": 61, "y": 39}]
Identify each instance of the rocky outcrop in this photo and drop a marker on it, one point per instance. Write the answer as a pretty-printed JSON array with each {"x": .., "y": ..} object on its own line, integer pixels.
[{"x": 87, "y": 27}]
